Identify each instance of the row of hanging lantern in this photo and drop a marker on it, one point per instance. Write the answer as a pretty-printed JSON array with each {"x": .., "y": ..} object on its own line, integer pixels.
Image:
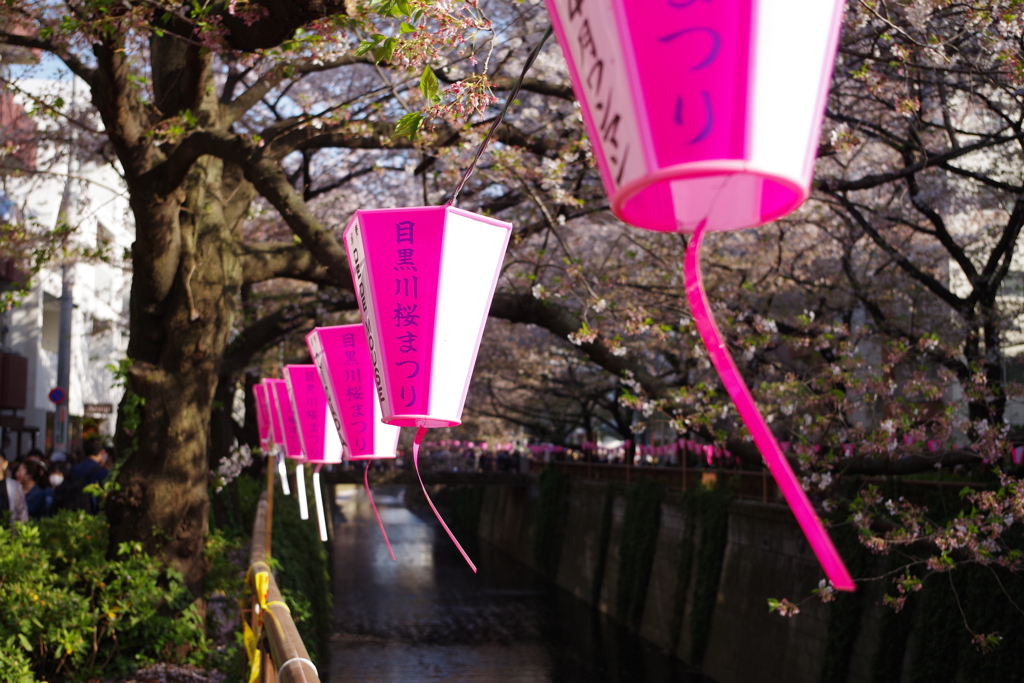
[
  {"x": 702, "y": 114},
  {"x": 424, "y": 278}
]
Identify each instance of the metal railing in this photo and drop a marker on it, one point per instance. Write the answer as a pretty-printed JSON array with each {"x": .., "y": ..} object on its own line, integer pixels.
[
  {"x": 744, "y": 484},
  {"x": 283, "y": 656}
]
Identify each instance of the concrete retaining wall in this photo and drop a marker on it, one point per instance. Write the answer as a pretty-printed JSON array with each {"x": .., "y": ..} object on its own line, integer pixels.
[{"x": 765, "y": 557}]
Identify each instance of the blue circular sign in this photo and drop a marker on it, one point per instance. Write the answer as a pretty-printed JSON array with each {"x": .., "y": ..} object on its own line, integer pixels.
[{"x": 57, "y": 395}]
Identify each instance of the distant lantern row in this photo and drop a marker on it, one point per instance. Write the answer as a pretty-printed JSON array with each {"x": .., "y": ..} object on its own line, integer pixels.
[{"x": 424, "y": 279}]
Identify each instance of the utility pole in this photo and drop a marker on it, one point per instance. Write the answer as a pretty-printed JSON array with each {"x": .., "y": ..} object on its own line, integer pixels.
[{"x": 61, "y": 439}]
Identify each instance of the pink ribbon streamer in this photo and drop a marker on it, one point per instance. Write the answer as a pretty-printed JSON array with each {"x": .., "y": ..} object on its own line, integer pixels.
[
  {"x": 777, "y": 464},
  {"x": 366, "y": 483},
  {"x": 420, "y": 433}
]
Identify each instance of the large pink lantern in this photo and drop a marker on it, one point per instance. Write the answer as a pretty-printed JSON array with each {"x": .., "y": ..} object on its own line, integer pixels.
[
  {"x": 425, "y": 278},
  {"x": 706, "y": 116},
  {"x": 701, "y": 111}
]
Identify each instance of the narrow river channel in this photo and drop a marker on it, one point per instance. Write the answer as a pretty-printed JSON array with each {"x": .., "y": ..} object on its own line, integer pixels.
[{"x": 427, "y": 617}]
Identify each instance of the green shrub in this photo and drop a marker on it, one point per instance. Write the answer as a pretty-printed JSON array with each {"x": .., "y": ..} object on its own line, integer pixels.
[
  {"x": 67, "y": 611},
  {"x": 300, "y": 561}
]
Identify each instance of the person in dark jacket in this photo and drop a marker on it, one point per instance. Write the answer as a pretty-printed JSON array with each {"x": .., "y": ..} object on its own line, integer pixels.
[
  {"x": 90, "y": 470},
  {"x": 31, "y": 474}
]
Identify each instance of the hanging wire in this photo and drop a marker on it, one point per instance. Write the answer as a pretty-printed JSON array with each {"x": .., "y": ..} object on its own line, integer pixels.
[{"x": 501, "y": 117}]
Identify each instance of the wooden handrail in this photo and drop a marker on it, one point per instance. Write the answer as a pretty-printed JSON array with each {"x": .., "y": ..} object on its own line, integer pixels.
[{"x": 289, "y": 658}]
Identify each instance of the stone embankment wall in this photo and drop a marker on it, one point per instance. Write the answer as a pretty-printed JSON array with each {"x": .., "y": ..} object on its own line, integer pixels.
[{"x": 693, "y": 572}]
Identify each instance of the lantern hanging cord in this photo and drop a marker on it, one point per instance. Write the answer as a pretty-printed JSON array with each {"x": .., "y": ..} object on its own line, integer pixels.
[
  {"x": 501, "y": 117},
  {"x": 747, "y": 408},
  {"x": 416, "y": 443},
  {"x": 380, "y": 523}
]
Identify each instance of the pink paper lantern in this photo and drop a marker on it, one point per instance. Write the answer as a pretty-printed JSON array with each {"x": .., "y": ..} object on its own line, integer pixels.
[
  {"x": 277, "y": 432},
  {"x": 706, "y": 116},
  {"x": 259, "y": 392},
  {"x": 276, "y": 426},
  {"x": 290, "y": 428},
  {"x": 320, "y": 440},
  {"x": 698, "y": 110},
  {"x": 424, "y": 278},
  {"x": 342, "y": 358}
]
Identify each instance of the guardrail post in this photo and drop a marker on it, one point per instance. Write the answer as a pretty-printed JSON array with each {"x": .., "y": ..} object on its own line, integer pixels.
[{"x": 287, "y": 661}]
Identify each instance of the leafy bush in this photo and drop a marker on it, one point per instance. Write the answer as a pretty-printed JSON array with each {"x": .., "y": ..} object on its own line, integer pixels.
[{"x": 67, "y": 611}]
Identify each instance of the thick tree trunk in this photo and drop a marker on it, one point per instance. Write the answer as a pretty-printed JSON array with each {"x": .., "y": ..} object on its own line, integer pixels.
[{"x": 177, "y": 346}]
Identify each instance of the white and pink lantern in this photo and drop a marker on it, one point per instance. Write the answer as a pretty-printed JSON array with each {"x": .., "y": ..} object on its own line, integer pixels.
[
  {"x": 296, "y": 420},
  {"x": 259, "y": 393},
  {"x": 276, "y": 426},
  {"x": 706, "y": 116},
  {"x": 424, "y": 280},
  {"x": 342, "y": 359},
  {"x": 320, "y": 441},
  {"x": 341, "y": 356},
  {"x": 289, "y": 425},
  {"x": 278, "y": 431},
  {"x": 701, "y": 111}
]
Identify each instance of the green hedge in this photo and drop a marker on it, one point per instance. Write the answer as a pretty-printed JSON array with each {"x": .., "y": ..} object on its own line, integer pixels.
[
  {"x": 302, "y": 573},
  {"x": 67, "y": 611}
]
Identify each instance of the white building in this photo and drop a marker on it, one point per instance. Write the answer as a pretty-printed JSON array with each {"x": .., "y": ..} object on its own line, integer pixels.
[{"x": 100, "y": 219}]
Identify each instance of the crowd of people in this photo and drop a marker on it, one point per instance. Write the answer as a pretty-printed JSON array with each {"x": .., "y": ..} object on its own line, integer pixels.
[{"x": 37, "y": 486}]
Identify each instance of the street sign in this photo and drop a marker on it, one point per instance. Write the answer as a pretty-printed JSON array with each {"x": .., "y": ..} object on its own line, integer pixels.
[{"x": 57, "y": 395}]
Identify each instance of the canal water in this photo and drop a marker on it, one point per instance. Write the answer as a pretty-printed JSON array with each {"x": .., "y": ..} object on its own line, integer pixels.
[{"x": 427, "y": 617}]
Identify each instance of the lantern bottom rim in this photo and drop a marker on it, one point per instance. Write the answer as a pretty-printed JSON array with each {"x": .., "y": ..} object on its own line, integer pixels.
[
  {"x": 370, "y": 457},
  {"x": 427, "y": 421},
  {"x": 788, "y": 195}
]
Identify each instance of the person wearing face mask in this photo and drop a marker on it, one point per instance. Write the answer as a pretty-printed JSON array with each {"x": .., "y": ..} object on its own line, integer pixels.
[
  {"x": 56, "y": 475},
  {"x": 31, "y": 474}
]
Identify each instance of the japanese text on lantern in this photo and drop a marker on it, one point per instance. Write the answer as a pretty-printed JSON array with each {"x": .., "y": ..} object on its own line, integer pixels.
[
  {"x": 405, "y": 315},
  {"x": 603, "y": 82},
  {"x": 353, "y": 394},
  {"x": 692, "y": 60}
]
